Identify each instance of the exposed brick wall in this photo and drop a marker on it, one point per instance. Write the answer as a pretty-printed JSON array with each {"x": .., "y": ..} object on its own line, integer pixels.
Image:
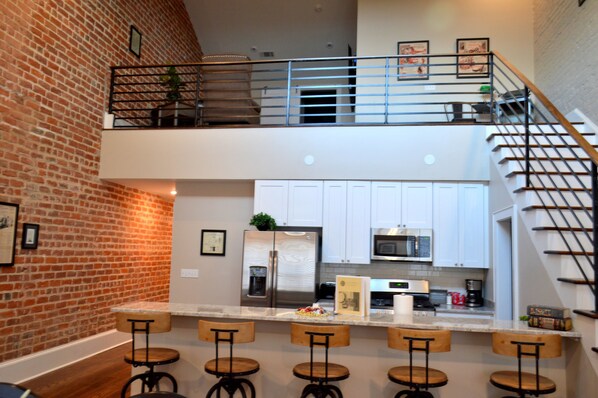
[
  {"x": 100, "y": 244},
  {"x": 566, "y": 54}
]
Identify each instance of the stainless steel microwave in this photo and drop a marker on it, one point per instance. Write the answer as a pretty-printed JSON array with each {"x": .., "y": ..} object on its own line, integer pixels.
[{"x": 402, "y": 244}]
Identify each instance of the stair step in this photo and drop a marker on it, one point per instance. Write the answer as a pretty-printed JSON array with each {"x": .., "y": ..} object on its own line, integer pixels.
[
  {"x": 550, "y": 173},
  {"x": 587, "y": 313},
  {"x": 550, "y": 189},
  {"x": 536, "y": 146},
  {"x": 562, "y": 229},
  {"x": 569, "y": 253},
  {"x": 566, "y": 208},
  {"x": 541, "y": 159},
  {"x": 575, "y": 281}
]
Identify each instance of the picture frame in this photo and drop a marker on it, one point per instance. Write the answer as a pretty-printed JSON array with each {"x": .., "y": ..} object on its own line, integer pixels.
[
  {"x": 213, "y": 242},
  {"x": 417, "y": 67},
  {"x": 9, "y": 216},
  {"x": 135, "y": 41},
  {"x": 471, "y": 65},
  {"x": 30, "y": 236}
]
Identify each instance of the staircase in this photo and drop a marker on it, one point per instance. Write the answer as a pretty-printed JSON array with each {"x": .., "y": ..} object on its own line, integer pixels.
[{"x": 556, "y": 207}]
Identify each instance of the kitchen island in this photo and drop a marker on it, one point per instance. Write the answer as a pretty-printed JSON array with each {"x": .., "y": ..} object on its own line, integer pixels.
[{"x": 468, "y": 365}]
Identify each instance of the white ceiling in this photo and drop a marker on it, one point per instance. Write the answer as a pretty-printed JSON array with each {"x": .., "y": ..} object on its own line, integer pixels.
[{"x": 289, "y": 28}]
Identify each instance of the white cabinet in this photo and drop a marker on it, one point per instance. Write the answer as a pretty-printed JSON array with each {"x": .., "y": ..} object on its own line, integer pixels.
[
  {"x": 346, "y": 222},
  {"x": 402, "y": 205},
  {"x": 291, "y": 203},
  {"x": 460, "y": 225}
]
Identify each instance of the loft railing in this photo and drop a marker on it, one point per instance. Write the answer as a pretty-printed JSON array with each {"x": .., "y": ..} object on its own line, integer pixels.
[
  {"x": 558, "y": 163},
  {"x": 434, "y": 88},
  {"x": 383, "y": 90}
]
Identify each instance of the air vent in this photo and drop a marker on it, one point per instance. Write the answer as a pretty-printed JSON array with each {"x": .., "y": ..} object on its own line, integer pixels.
[{"x": 267, "y": 54}]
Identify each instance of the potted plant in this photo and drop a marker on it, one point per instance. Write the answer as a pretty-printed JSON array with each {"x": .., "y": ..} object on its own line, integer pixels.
[
  {"x": 263, "y": 222},
  {"x": 173, "y": 82}
]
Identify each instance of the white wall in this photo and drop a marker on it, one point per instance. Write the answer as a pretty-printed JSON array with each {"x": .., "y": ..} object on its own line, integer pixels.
[
  {"x": 383, "y": 23},
  {"x": 508, "y": 24},
  {"x": 209, "y": 205},
  {"x": 566, "y": 54},
  {"x": 371, "y": 153}
]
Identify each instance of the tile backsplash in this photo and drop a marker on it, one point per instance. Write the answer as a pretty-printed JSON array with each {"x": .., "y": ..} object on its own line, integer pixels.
[{"x": 440, "y": 277}]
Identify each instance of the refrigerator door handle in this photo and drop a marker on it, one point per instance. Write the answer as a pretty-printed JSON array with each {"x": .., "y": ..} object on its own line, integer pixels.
[{"x": 274, "y": 278}]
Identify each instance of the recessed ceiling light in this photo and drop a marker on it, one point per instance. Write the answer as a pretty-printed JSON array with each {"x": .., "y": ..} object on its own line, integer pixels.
[{"x": 173, "y": 192}]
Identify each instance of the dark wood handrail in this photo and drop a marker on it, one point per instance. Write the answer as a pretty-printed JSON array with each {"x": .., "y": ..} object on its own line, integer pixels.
[{"x": 583, "y": 143}]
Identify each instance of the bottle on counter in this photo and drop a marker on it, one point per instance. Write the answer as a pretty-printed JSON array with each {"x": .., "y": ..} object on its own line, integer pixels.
[{"x": 449, "y": 299}]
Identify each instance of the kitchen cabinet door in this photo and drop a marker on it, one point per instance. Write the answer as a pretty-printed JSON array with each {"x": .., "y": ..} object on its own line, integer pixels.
[
  {"x": 346, "y": 222},
  {"x": 386, "y": 204},
  {"x": 402, "y": 204},
  {"x": 473, "y": 234},
  {"x": 334, "y": 222},
  {"x": 416, "y": 205},
  {"x": 358, "y": 222},
  {"x": 272, "y": 197},
  {"x": 305, "y": 203},
  {"x": 460, "y": 225},
  {"x": 446, "y": 225}
]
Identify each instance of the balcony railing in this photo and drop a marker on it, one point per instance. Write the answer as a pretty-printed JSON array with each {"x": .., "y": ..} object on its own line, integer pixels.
[{"x": 376, "y": 90}]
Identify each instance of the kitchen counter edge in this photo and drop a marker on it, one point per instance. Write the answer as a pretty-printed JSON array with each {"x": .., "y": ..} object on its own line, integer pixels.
[{"x": 375, "y": 319}]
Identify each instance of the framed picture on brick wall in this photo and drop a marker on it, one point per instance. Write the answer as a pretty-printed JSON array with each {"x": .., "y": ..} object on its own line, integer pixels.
[
  {"x": 9, "y": 214},
  {"x": 30, "y": 236},
  {"x": 135, "y": 41}
]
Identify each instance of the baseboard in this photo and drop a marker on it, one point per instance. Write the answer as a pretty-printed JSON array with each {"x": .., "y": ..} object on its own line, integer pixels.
[{"x": 30, "y": 366}]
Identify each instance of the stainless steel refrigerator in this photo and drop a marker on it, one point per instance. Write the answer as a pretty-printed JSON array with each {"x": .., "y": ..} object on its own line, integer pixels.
[{"x": 280, "y": 268}]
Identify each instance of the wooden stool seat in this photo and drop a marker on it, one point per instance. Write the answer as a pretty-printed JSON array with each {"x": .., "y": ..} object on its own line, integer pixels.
[
  {"x": 400, "y": 375},
  {"x": 229, "y": 369},
  {"x": 319, "y": 374},
  {"x": 418, "y": 378},
  {"x": 157, "y": 356},
  {"x": 509, "y": 380},
  {"x": 147, "y": 323},
  {"x": 336, "y": 372},
  {"x": 241, "y": 366},
  {"x": 525, "y": 346}
]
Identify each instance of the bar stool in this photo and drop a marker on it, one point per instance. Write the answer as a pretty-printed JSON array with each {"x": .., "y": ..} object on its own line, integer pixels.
[
  {"x": 320, "y": 374},
  {"x": 158, "y": 394},
  {"x": 229, "y": 369},
  {"x": 150, "y": 357},
  {"x": 520, "y": 345},
  {"x": 9, "y": 390},
  {"x": 418, "y": 378}
]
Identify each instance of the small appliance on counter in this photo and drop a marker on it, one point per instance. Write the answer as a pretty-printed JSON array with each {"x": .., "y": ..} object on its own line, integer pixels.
[{"x": 473, "y": 296}]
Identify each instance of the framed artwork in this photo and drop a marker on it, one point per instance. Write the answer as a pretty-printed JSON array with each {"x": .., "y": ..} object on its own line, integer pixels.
[
  {"x": 9, "y": 214},
  {"x": 135, "y": 41},
  {"x": 30, "y": 236},
  {"x": 213, "y": 242},
  {"x": 471, "y": 65},
  {"x": 416, "y": 67}
]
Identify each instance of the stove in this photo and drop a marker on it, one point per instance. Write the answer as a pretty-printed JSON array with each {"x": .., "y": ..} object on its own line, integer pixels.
[{"x": 383, "y": 290}]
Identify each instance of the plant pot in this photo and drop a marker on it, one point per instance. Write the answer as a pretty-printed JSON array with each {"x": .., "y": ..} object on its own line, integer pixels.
[{"x": 262, "y": 227}]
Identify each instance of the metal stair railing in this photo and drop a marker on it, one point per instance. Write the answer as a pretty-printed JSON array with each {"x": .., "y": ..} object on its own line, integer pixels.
[{"x": 529, "y": 109}]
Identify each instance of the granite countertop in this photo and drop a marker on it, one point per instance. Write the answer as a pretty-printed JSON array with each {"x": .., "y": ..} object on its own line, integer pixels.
[
  {"x": 462, "y": 309},
  {"x": 375, "y": 319}
]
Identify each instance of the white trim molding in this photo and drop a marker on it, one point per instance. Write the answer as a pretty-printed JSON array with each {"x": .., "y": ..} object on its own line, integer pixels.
[{"x": 30, "y": 366}]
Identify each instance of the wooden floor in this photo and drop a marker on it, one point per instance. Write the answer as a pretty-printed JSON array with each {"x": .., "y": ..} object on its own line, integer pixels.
[{"x": 100, "y": 376}]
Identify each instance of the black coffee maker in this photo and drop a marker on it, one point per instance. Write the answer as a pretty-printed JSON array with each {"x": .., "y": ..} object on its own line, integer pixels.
[{"x": 473, "y": 298}]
